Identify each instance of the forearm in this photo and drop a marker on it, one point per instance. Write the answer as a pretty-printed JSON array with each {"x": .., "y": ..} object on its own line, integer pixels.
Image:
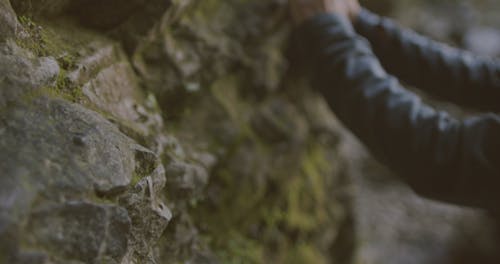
[
  {"x": 443, "y": 71},
  {"x": 430, "y": 150}
]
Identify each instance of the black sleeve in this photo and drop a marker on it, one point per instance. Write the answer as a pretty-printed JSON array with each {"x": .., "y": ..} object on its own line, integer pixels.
[
  {"x": 441, "y": 157},
  {"x": 438, "y": 69}
]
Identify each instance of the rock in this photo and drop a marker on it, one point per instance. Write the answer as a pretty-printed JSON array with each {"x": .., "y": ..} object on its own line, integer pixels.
[
  {"x": 40, "y": 8},
  {"x": 130, "y": 21},
  {"x": 188, "y": 180},
  {"x": 81, "y": 231},
  {"x": 44, "y": 133},
  {"x": 65, "y": 153},
  {"x": 110, "y": 14},
  {"x": 8, "y": 21},
  {"x": 100, "y": 14},
  {"x": 165, "y": 131},
  {"x": 171, "y": 62},
  {"x": 144, "y": 19},
  {"x": 95, "y": 72},
  {"x": 148, "y": 214},
  {"x": 22, "y": 74},
  {"x": 114, "y": 90},
  {"x": 278, "y": 121}
]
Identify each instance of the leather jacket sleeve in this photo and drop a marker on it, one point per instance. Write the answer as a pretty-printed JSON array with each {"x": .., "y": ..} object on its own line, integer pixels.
[
  {"x": 445, "y": 72},
  {"x": 439, "y": 156}
]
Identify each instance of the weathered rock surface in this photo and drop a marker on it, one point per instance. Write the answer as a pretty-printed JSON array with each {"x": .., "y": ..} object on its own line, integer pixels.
[
  {"x": 23, "y": 74},
  {"x": 66, "y": 160},
  {"x": 160, "y": 132},
  {"x": 8, "y": 21},
  {"x": 80, "y": 188}
]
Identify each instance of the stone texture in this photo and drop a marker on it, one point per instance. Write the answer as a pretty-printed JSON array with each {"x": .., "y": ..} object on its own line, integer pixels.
[
  {"x": 114, "y": 89},
  {"x": 8, "y": 21},
  {"x": 148, "y": 214},
  {"x": 39, "y": 8},
  {"x": 22, "y": 74},
  {"x": 171, "y": 132},
  {"x": 129, "y": 21},
  {"x": 118, "y": 185},
  {"x": 81, "y": 231},
  {"x": 66, "y": 153},
  {"x": 56, "y": 128}
]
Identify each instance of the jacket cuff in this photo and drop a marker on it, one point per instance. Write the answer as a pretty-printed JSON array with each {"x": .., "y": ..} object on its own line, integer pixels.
[
  {"x": 318, "y": 26},
  {"x": 309, "y": 39}
]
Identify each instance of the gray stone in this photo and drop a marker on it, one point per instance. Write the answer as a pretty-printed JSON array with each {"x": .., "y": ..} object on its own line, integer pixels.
[
  {"x": 110, "y": 14},
  {"x": 22, "y": 75},
  {"x": 8, "y": 21},
  {"x": 40, "y": 7},
  {"x": 148, "y": 214},
  {"x": 55, "y": 155},
  {"x": 52, "y": 150},
  {"x": 130, "y": 21},
  {"x": 115, "y": 90},
  {"x": 81, "y": 231},
  {"x": 107, "y": 82},
  {"x": 279, "y": 121},
  {"x": 251, "y": 173},
  {"x": 44, "y": 133}
]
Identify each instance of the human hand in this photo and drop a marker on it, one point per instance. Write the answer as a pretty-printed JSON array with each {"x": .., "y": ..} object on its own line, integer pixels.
[{"x": 303, "y": 9}]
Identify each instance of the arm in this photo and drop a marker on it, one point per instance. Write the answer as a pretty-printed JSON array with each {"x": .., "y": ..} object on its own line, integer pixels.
[
  {"x": 445, "y": 72},
  {"x": 439, "y": 156}
]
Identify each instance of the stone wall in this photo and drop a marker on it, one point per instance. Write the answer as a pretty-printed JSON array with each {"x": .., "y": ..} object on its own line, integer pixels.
[
  {"x": 160, "y": 132},
  {"x": 171, "y": 131}
]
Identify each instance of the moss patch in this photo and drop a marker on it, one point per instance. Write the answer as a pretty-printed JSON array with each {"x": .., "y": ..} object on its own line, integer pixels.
[
  {"x": 43, "y": 41},
  {"x": 66, "y": 89},
  {"x": 275, "y": 205},
  {"x": 57, "y": 42},
  {"x": 280, "y": 220}
]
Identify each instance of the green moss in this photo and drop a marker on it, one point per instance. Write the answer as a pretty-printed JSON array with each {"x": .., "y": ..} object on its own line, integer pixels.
[
  {"x": 67, "y": 61},
  {"x": 136, "y": 178},
  {"x": 43, "y": 42},
  {"x": 64, "y": 88},
  {"x": 102, "y": 199},
  {"x": 307, "y": 199},
  {"x": 32, "y": 38},
  {"x": 3, "y": 257},
  {"x": 270, "y": 214},
  {"x": 242, "y": 250},
  {"x": 305, "y": 253},
  {"x": 225, "y": 91}
]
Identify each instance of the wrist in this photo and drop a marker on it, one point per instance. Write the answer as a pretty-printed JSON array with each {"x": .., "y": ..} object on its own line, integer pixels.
[{"x": 355, "y": 13}]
